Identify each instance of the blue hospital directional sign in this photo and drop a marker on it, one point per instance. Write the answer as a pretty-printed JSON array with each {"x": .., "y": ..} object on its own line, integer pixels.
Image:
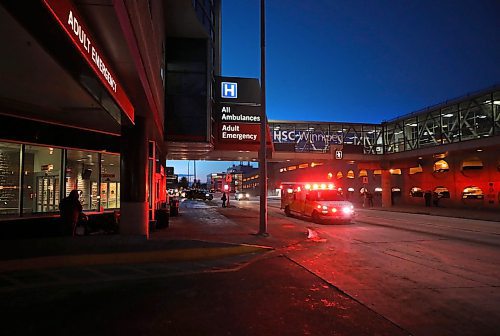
[
  {"x": 229, "y": 90},
  {"x": 237, "y": 90}
]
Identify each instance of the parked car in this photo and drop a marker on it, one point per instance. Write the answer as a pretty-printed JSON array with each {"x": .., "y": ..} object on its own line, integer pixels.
[
  {"x": 208, "y": 195},
  {"x": 240, "y": 196},
  {"x": 200, "y": 194}
]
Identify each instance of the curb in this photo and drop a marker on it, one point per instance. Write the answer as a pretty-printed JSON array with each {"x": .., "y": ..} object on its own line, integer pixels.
[{"x": 430, "y": 213}]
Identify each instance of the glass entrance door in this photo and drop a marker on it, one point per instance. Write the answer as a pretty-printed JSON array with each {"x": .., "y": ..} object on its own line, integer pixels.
[{"x": 47, "y": 193}]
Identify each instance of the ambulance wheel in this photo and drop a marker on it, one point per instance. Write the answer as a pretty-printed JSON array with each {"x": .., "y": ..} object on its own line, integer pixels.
[
  {"x": 287, "y": 211},
  {"x": 315, "y": 217}
]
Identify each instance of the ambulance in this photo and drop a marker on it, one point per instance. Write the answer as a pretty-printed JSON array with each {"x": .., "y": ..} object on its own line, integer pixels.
[{"x": 320, "y": 201}]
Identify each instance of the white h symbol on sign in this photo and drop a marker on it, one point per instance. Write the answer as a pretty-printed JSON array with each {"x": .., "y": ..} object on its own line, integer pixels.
[{"x": 229, "y": 90}]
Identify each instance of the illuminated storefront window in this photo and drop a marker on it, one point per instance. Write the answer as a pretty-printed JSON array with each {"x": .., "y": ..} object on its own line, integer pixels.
[
  {"x": 9, "y": 178},
  {"x": 42, "y": 179},
  {"x": 363, "y": 173},
  {"x": 350, "y": 174},
  {"x": 38, "y": 169},
  {"x": 82, "y": 174},
  {"x": 110, "y": 181},
  {"x": 339, "y": 175},
  {"x": 377, "y": 172},
  {"x": 395, "y": 171}
]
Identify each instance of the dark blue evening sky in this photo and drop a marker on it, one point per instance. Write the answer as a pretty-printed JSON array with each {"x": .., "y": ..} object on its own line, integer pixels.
[
  {"x": 363, "y": 61},
  {"x": 359, "y": 61}
]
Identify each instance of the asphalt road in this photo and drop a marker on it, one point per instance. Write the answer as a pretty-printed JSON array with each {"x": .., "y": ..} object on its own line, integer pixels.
[
  {"x": 384, "y": 274},
  {"x": 429, "y": 275}
]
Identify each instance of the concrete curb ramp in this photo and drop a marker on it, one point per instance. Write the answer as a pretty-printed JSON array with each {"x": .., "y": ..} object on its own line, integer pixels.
[{"x": 177, "y": 255}]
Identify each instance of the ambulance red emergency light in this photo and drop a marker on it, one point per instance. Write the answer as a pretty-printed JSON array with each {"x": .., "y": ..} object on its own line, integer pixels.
[{"x": 319, "y": 200}]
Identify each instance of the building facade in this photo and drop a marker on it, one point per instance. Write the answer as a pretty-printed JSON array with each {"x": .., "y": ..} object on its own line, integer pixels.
[
  {"x": 84, "y": 102},
  {"x": 451, "y": 149}
]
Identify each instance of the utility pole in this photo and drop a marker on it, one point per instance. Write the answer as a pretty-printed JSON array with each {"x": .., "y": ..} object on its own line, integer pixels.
[{"x": 263, "y": 125}]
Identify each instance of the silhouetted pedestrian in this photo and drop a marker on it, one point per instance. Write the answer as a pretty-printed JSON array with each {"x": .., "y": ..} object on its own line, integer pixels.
[
  {"x": 70, "y": 209},
  {"x": 223, "y": 198},
  {"x": 369, "y": 199},
  {"x": 427, "y": 197},
  {"x": 435, "y": 199}
]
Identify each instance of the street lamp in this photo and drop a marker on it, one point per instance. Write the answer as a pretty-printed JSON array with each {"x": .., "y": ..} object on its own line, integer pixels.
[{"x": 263, "y": 126}]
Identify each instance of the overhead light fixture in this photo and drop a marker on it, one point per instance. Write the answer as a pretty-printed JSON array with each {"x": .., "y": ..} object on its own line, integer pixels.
[{"x": 479, "y": 150}]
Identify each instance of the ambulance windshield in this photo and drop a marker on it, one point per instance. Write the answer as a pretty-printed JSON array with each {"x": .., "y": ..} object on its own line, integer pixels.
[{"x": 326, "y": 195}]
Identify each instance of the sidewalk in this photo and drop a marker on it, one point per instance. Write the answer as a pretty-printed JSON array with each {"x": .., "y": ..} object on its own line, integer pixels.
[
  {"x": 479, "y": 214},
  {"x": 100, "y": 250},
  {"x": 227, "y": 232}
]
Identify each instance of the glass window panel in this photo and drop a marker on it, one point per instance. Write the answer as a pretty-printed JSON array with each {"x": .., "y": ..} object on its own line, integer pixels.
[
  {"x": 450, "y": 124},
  {"x": 82, "y": 174},
  {"x": 484, "y": 116},
  {"x": 371, "y": 138},
  {"x": 110, "y": 178},
  {"x": 352, "y": 134},
  {"x": 496, "y": 111},
  {"x": 42, "y": 179},
  {"x": 9, "y": 178},
  {"x": 411, "y": 132},
  {"x": 468, "y": 124},
  {"x": 430, "y": 129}
]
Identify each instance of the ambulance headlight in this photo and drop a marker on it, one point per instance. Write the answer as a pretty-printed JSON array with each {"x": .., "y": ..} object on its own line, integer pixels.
[{"x": 347, "y": 210}]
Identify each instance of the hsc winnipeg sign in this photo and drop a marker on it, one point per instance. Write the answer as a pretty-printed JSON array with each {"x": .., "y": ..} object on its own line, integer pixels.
[{"x": 237, "y": 110}]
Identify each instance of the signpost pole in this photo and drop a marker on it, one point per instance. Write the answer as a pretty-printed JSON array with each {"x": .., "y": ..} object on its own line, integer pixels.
[{"x": 263, "y": 126}]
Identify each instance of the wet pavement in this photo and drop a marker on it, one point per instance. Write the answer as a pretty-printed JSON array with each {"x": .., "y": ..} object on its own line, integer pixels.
[{"x": 208, "y": 273}]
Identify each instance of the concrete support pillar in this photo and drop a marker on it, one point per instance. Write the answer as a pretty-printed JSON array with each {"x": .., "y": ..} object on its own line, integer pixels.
[
  {"x": 133, "y": 180},
  {"x": 386, "y": 189}
]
